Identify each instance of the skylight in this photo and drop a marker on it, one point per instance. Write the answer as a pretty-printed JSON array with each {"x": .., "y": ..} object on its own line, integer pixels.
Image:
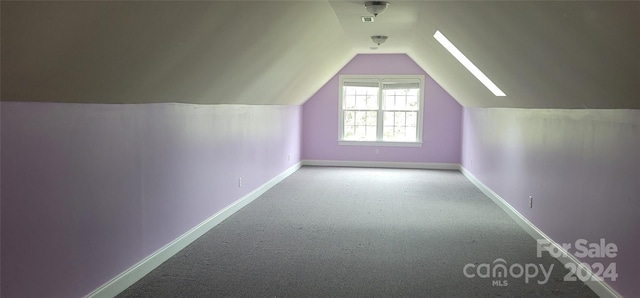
[{"x": 468, "y": 64}]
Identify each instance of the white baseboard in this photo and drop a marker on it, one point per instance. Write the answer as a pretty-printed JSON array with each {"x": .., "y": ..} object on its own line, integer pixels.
[
  {"x": 600, "y": 287},
  {"x": 142, "y": 268},
  {"x": 382, "y": 164}
]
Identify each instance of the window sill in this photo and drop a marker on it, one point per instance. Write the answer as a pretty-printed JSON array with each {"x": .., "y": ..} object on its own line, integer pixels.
[{"x": 379, "y": 143}]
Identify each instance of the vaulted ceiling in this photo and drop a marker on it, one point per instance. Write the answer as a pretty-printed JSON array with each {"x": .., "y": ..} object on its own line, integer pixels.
[{"x": 543, "y": 54}]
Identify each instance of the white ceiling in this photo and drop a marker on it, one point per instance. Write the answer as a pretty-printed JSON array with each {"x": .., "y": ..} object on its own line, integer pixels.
[
  {"x": 398, "y": 22},
  {"x": 542, "y": 54}
]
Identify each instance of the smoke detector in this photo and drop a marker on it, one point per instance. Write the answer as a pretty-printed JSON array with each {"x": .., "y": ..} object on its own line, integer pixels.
[
  {"x": 376, "y": 7},
  {"x": 368, "y": 19},
  {"x": 379, "y": 39}
]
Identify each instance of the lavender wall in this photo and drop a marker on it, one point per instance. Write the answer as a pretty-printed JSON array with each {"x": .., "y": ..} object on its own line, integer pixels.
[
  {"x": 442, "y": 118},
  {"x": 90, "y": 190},
  {"x": 581, "y": 166}
]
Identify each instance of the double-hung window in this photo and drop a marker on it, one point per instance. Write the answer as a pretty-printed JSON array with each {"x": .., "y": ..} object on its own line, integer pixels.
[{"x": 381, "y": 110}]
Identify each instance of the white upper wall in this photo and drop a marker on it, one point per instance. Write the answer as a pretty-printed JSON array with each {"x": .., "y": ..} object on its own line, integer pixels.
[{"x": 546, "y": 54}]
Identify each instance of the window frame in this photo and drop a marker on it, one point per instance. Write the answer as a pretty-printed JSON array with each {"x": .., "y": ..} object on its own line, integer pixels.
[{"x": 380, "y": 111}]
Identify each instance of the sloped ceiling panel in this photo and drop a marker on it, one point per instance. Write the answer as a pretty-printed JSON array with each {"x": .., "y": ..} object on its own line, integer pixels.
[
  {"x": 542, "y": 54},
  {"x": 547, "y": 54},
  {"x": 241, "y": 52}
]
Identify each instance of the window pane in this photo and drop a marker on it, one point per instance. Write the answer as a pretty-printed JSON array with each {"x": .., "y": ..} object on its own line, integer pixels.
[
  {"x": 371, "y": 133},
  {"x": 372, "y": 102},
  {"x": 372, "y": 118},
  {"x": 401, "y": 99},
  {"x": 363, "y": 98},
  {"x": 412, "y": 133},
  {"x": 350, "y": 102},
  {"x": 387, "y": 133},
  {"x": 412, "y": 102},
  {"x": 389, "y": 99},
  {"x": 349, "y": 118},
  {"x": 400, "y": 126},
  {"x": 399, "y": 119},
  {"x": 366, "y": 90},
  {"x": 400, "y": 133},
  {"x": 361, "y": 132},
  {"x": 401, "y": 103},
  {"x": 352, "y": 90},
  {"x": 349, "y": 132},
  {"x": 361, "y": 102},
  {"x": 412, "y": 119},
  {"x": 361, "y": 118},
  {"x": 349, "y": 90},
  {"x": 388, "y": 119}
]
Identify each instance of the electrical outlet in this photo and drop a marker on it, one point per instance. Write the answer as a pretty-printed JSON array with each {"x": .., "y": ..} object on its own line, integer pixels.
[
  {"x": 289, "y": 157},
  {"x": 530, "y": 201},
  {"x": 239, "y": 181},
  {"x": 377, "y": 151}
]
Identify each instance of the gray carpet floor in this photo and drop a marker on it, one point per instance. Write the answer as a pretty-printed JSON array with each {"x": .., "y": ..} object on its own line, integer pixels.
[{"x": 355, "y": 232}]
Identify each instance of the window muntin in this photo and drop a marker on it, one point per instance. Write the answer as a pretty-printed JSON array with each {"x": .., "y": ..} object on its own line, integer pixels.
[{"x": 381, "y": 109}]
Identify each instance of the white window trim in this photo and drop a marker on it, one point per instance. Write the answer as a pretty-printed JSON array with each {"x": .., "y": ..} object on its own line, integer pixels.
[{"x": 380, "y": 142}]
